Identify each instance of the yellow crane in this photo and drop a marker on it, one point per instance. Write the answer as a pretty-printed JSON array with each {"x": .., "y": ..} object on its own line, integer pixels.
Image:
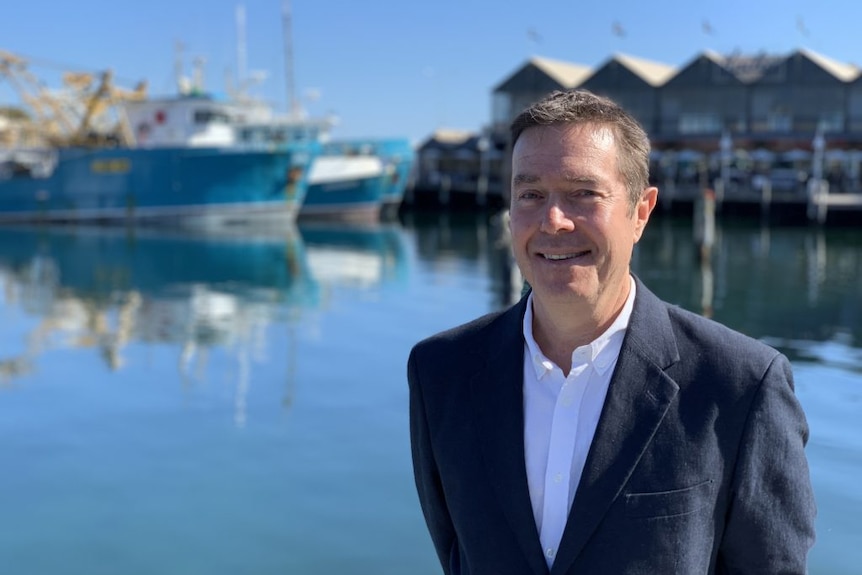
[{"x": 87, "y": 111}]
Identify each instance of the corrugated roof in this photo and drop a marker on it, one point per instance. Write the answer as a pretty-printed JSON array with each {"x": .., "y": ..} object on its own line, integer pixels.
[
  {"x": 450, "y": 136},
  {"x": 750, "y": 67},
  {"x": 653, "y": 73},
  {"x": 566, "y": 74},
  {"x": 447, "y": 138},
  {"x": 746, "y": 68},
  {"x": 842, "y": 71}
]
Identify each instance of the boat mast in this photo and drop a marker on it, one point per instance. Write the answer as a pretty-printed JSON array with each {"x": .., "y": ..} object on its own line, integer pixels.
[
  {"x": 178, "y": 68},
  {"x": 288, "y": 57},
  {"x": 240, "y": 48}
]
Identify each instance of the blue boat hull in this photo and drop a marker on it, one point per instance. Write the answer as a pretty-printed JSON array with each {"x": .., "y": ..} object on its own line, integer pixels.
[
  {"x": 211, "y": 185},
  {"x": 398, "y": 158},
  {"x": 355, "y": 199}
]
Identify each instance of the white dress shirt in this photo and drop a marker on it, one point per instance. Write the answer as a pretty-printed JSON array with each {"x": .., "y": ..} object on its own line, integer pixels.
[{"x": 560, "y": 417}]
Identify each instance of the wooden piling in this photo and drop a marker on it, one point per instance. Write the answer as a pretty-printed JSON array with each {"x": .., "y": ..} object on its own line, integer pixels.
[
  {"x": 444, "y": 193},
  {"x": 765, "y": 199},
  {"x": 818, "y": 202},
  {"x": 704, "y": 223}
]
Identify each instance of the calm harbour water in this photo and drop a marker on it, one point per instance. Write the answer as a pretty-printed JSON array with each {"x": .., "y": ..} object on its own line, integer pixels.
[{"x": 176, "y": 404}]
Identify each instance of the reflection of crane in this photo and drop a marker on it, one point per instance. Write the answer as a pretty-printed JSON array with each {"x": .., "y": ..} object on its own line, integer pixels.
[
  {"x": 78, "y": 116},
  {"x": 85, "y": 325}
]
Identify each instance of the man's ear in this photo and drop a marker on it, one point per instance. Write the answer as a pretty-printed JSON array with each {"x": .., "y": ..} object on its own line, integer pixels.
[{"x": 643, "y": 209}]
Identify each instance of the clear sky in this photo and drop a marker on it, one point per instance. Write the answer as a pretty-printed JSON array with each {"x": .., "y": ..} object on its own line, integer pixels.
[{"x": 403, "y": 68}]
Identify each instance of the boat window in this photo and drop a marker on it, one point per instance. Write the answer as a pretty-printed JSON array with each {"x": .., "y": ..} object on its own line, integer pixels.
[{"x": 210, "y": 117}]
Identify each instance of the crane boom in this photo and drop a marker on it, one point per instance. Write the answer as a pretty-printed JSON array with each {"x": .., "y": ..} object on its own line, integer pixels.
[{"x": 85, "y": 113}]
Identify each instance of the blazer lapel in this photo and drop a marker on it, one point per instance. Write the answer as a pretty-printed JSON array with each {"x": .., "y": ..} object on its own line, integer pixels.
[
  {"x": 499, "y": 415},
  {"x": 638, "y": 398}
]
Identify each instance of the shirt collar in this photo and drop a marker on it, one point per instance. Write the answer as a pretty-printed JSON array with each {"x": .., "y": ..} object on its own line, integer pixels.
[{"x": 601, "y": 353}]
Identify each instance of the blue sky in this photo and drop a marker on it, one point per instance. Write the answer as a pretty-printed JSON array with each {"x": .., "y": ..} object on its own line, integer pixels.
[{"x": 403, "y": 68}]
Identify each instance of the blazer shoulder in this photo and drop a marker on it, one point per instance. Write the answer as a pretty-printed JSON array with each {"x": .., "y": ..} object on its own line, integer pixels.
[
  {"x": 709, "y": 343},
  {"x": 482, "y": 339},
  {"x": 667, "y": 333},
  {"x": 461, "y": 337}
]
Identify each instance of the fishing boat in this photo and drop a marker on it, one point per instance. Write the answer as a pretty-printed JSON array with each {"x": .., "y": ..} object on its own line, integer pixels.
[
  {"x": 345, "y": 188},
  {"x": 397, "y": 156},
  {"x": 348, "y": 180},
  {"x": 182, "y": 165}
]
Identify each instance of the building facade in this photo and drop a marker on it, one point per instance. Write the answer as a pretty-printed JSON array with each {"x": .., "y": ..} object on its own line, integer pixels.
[{"x": 772, "y": 103}]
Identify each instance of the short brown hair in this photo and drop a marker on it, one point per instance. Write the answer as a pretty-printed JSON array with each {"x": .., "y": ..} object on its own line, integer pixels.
[{"x": 584, "y": 107}]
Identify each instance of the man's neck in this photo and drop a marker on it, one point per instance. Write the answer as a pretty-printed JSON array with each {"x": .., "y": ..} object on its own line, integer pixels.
[{"x": 560, "y": 329}]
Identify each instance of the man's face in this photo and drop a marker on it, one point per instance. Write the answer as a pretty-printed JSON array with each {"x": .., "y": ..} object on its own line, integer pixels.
[{"x": 573, "y": 229}]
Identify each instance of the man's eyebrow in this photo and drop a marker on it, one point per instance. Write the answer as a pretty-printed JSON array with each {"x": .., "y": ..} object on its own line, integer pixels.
[
  {"x": 533, "y": 179},
  {"x": 582, "y": 179},
  {"x": 526, "y": 179}
]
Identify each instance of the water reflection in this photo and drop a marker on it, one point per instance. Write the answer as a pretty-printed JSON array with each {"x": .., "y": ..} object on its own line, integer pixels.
[
  {"x": 104, "y": 288},
  {"x": 361, "y": 256},
  {"x": 468, "y": 239},
  {"x": 784, "y": 284}
]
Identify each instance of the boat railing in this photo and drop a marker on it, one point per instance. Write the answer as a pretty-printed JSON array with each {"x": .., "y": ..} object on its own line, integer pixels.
[{"x": 27, "y": 162}]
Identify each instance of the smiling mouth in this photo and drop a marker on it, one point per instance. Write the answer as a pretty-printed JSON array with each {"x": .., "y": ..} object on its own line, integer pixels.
[{"x": 562, "y": 257}]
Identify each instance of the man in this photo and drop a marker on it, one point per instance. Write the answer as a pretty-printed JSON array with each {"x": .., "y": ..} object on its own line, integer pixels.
[{"x": 591, "y": 427}]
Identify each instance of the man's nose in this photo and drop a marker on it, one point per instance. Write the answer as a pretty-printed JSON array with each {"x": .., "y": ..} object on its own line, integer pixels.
[{"x": 555, "y": 219}]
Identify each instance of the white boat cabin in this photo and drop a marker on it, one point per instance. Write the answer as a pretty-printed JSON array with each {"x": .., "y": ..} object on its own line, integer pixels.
[
  {"x": 201, "y": 121},
  {"x": 195, "y": 121}
]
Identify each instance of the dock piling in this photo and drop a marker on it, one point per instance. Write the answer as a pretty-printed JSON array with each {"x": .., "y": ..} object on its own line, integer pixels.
[
  {"x": 818, "y": 200},
  {"x": 704, "y": 223},
  {"x": 765, "y": 199}
]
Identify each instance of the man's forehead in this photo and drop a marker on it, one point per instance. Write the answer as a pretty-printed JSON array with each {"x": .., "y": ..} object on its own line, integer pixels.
[{"x": 599, "y": 134}]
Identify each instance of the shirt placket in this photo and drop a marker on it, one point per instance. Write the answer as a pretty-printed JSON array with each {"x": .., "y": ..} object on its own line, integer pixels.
[{"x": 558, "y": 472}]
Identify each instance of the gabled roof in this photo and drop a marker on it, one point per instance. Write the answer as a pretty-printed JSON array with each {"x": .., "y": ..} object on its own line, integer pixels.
[
  {"x": 750, "y": 68},
  {"x": 566, "y": 74},
  {"x": 451, "y": 136},
  {"x": 842, "y": 71},
  {"x": 653, "y": 73},
  {"x": 446, "y": 138},
  {"x": 746, "y": 68}
]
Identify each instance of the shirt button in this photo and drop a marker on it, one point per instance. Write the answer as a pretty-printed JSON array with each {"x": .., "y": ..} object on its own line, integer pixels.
[
  {"x": 549, "y": 552},
  {"x": 558, "y": 477}
]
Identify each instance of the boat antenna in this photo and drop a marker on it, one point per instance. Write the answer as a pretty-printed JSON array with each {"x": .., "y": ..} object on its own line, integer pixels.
[
  {"x": 288, "y": 57},
  {"x": 240, "y": 47},
  {"x": 178, "y": 67}
]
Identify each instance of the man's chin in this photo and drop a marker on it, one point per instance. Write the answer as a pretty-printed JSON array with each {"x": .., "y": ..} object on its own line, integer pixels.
[{"x": 561, "y": 292}]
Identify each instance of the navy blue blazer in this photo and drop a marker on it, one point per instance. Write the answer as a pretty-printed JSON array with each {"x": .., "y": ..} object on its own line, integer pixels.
[{"x": 697, "y": 465}]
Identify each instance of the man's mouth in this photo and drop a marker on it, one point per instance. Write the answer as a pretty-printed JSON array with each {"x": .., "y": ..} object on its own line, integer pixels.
[{"x": 560, "y": 257}]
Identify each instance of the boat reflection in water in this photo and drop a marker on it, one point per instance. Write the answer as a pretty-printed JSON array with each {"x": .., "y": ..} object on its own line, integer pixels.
[
  {"x": 359, "y": 256},
  {"x": 106, "y": 288}
]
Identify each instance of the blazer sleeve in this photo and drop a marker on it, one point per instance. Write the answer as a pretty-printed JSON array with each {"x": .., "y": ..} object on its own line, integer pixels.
[
  {"x": 770, "y": 522},
  {"x": 428, "y": 483}
]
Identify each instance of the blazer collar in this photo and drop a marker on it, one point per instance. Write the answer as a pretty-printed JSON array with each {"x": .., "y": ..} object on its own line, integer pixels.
[{"x": 638, "y": 398}]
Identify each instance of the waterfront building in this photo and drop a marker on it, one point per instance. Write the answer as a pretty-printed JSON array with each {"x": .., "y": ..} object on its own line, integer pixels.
[
  {"x": 455, "y": 166},
  {"x": 633, "y": 83},
  {"x": 764, "y": 108}
]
